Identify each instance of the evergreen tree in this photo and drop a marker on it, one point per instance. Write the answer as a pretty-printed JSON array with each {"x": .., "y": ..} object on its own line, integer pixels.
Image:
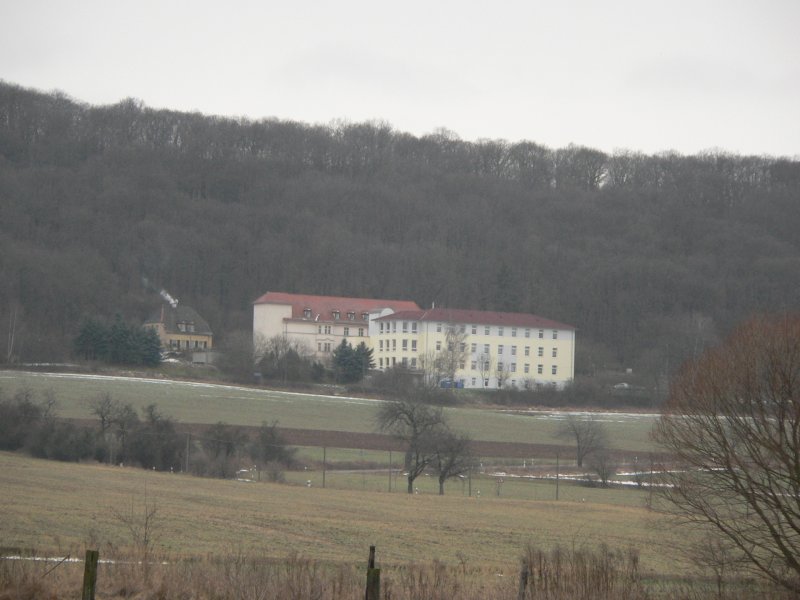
[
  {"x": 351, "y": 364},
  {"x": 363, "y": 356},
  {"x": 119, "y": 344},
  {"x": 92, "y": 341},
  {"x": 148, "y": 347}
]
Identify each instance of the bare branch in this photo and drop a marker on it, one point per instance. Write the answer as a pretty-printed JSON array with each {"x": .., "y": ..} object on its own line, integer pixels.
[{"x": 733, "y": 424}]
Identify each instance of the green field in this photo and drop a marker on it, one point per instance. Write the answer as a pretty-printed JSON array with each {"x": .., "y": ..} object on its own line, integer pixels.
[
  {"x": 192, "y": 402},
  {"x": 62, "y": 507}
]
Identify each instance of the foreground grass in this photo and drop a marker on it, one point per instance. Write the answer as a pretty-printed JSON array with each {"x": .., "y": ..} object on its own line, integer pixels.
[
  {"x": 58, "y": 508},
  {"x": 209, "y": 403}
]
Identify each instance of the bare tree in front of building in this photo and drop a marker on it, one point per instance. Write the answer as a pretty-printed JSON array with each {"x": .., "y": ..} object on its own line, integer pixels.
[
  {"x": 589, "y": 435},
  {"x": 486, "y": 366},
  {"x": 453, "y": 354},
  {"x": 502, "y": 374},
  {"x": 418, "y": 426}
]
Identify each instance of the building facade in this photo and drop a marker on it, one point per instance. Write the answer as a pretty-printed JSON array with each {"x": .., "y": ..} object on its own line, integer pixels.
[
  {"x": 476, "y": 349},
  {"x": 320, "y": 323},
  {"x": 180, "y": 328}
]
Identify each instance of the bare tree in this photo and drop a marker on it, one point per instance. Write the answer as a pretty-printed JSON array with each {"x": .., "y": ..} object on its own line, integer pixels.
[
  {"x": 283, "y": 358},
  {"x": 446, "y": 361},
  {"x": 452, "y": 456},
  {"x": 104, "y": 407},
  {"x": 419, "y": 426},
  {"x": 238, "y": 357},
  {"x": 732, "y": 423},
  {"x": 485, "y": 368},
  {"x": 431, "y": 369},
  {"x": 270, "y": 446},
  {"x": 454, "y": 353},
  {"x": 502, "y": 374},
  {"x": 143, "y": 529},
  {"x": 602, "y": 463},
  {"x": 588, "y": 433}
]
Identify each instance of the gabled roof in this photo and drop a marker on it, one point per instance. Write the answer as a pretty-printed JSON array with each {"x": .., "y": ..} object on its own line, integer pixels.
[
  {"x": 322, "y": 307},
  {"x": 170, "y": 317},
  {"x": 477, "y": 317}
]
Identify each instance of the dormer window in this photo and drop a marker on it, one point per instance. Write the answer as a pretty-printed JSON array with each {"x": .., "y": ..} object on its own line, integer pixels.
[
  {"x": 351, "y": 316},
  {"x": 365, "y": 316},
  {"x": 306, "y": 313},
  {"x": 336, "y": 315}
]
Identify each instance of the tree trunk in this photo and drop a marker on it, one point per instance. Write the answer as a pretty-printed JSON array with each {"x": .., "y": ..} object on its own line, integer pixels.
[
  {"x": 441, "y": 487},
  {"x": 410, "y": 485}
]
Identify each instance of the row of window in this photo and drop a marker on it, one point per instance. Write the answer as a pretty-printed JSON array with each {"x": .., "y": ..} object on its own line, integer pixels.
[
  {"x": 391, "y": 327},
  {"x": 392, "y": 362},
  {"x": 351, "y": 315},
  {"x": 501, "y": 368},
  {"x": 404, "y": 345},
  {"x": 185, "y": 326},
  {"x": 176, "y": 344},
  {"x": 326, "y": 330},
  {"x": 473, "y": 348}
]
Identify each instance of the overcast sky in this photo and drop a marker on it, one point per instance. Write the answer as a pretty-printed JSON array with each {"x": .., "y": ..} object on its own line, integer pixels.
[{"x": 685, "y": 75}]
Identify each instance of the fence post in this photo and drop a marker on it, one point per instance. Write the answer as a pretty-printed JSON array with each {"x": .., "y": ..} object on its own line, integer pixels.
[
  {"x": 373, "y": 577},
  {"x": 523, "y": 582},
  {"x": 90, "y": 574}
]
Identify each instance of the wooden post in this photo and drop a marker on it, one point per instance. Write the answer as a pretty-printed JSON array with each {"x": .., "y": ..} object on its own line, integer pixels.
[
  {"x": 373, "y": 578},
  {"x": 557, "y": 465},
  {"x": 90, "y": 574},
  {"x": 390, "y": 470},
  {"x": 324, "y": 464},
  {"x": 523, "y": 582}
]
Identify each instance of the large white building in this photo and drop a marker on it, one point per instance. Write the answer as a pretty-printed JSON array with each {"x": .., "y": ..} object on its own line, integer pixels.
[
  {"x": 476, "y": 349},
  {"x": 463, "y": 348},
  {"x": 320, "y": 322}
]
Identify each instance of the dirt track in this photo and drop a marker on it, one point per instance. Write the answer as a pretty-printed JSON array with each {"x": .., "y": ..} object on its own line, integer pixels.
[{"x": 376, "y": 441}]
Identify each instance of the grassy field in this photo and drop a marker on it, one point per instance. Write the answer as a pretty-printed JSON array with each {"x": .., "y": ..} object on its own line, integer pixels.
[
  {"x": 209, "y": 403},
  {"x": 63, "y": 507}
]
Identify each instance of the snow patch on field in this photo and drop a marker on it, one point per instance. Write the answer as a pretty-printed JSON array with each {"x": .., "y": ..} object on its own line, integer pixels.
[{"x": 560, "y": 415}]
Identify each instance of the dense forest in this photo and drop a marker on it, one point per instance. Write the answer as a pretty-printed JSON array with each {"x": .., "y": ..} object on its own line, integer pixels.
[{"x": 651, "y": 257}]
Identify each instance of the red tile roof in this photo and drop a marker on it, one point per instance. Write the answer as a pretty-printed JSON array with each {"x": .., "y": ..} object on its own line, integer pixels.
[
  {"x": 478, "y": 317},
  {"x": 325, "y": 305}
]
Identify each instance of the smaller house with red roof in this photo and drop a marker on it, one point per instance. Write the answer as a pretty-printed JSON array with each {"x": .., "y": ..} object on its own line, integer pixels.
[{"x": 320, "y": 322}]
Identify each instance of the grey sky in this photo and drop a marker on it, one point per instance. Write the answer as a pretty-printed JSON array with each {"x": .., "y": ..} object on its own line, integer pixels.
[{"x": 682, "y": 75}]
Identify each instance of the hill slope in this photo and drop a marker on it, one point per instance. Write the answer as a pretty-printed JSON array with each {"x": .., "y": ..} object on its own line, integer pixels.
[{"x": 651, "y": 257}]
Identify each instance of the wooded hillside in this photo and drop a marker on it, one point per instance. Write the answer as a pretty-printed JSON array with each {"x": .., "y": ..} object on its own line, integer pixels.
[{"x": 650, "y": 257}]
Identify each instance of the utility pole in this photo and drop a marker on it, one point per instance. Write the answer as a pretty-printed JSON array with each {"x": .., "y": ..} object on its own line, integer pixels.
[
  {"x": 557, "y": 465},
  {"x": 187, "y": 452}
]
